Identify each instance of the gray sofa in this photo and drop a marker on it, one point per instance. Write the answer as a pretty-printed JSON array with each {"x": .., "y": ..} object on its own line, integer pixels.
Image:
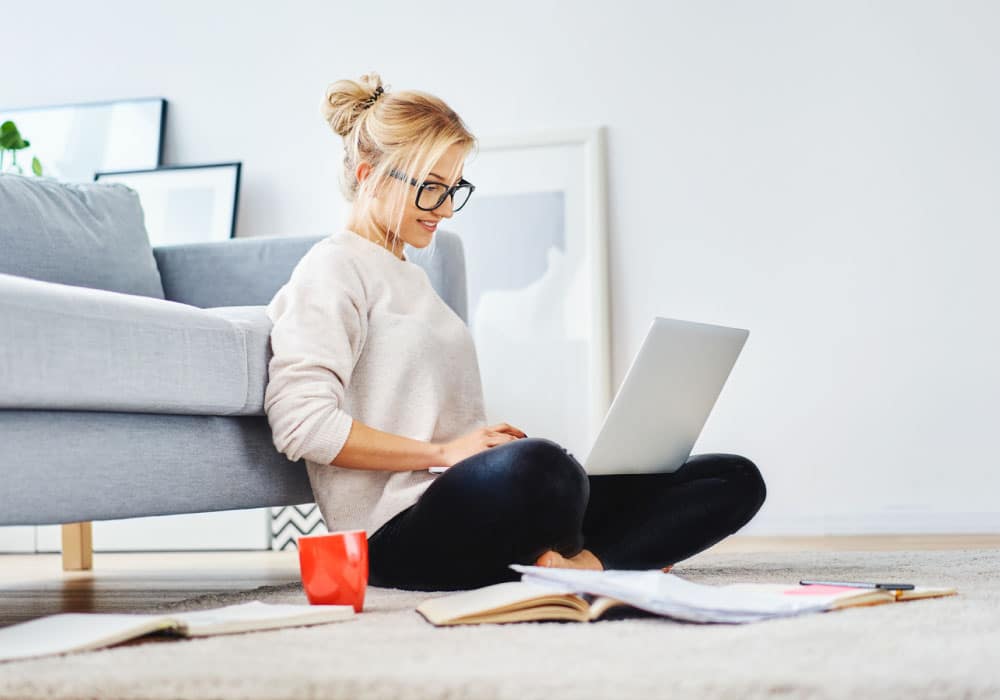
[{"x": 132, "y": 377}]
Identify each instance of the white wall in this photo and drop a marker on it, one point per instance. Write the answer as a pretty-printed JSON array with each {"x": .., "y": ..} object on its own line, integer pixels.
[{"x": 824, "y": 174}]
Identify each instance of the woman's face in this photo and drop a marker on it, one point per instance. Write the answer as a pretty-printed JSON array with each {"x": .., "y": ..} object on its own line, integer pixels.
[{"x": 418, "y": 225}]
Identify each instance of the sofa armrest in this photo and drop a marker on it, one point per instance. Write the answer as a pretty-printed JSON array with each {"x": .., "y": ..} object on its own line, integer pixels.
[{"x": 237, "y": 272}]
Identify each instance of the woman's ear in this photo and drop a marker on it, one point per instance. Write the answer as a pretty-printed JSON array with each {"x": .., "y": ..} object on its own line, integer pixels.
[{"x": 363, "y": 170}]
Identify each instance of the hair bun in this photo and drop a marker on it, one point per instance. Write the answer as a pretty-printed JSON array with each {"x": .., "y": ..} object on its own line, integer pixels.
[{"x": 346, "y": 100}]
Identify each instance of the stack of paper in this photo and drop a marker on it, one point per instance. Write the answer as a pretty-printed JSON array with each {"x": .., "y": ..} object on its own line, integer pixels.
[{"x": 672, "y": 596}]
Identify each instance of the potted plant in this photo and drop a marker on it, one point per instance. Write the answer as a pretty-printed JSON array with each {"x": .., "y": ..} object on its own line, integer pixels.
[{"x": 10, "y": 140}]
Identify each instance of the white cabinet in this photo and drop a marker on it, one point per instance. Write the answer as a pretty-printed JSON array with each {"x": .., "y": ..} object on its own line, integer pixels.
[
  {"x": 228, "y": 529},
  {"x": 249, "y": 529},
  {"x": 17, "y": 539}
]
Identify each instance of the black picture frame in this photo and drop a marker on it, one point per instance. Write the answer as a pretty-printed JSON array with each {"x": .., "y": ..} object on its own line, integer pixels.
[{"x": 62, "y": 136}]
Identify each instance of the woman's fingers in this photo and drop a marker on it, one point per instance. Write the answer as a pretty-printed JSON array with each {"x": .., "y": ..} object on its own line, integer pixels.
[
  {"x": 497, "y": 437},
  {"x": 508, "y": 428}
]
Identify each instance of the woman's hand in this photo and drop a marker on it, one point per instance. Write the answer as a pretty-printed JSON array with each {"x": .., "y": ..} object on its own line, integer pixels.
[{"x": 478, "y": 440}]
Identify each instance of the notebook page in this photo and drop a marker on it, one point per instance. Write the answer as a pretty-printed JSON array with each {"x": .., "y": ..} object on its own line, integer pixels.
[
  {"x": 65, "y": 632},
  {"x": 257, "y": 615},
  {"x": 478, "y": 600}
]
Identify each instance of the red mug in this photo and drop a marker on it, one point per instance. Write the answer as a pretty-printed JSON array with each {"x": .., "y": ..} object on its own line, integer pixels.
[{"x": 334, "y": 568}]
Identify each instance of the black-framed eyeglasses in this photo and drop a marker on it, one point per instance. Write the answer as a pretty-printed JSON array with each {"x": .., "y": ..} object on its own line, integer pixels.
[{"x": 431, "y": 195}]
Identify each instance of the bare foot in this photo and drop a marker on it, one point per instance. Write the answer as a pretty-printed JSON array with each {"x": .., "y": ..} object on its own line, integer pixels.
[{"x": 584, "y": 560}]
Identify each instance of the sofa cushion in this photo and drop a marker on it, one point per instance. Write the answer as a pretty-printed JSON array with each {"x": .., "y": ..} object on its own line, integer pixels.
[
  {"x": 89, "y": 235},
  {"x": 74, "y": 348}
]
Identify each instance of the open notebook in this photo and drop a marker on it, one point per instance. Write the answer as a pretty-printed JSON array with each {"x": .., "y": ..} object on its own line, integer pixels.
[
  {"x": 580, "y": 595},
  {"x": 66, "y": 632}
]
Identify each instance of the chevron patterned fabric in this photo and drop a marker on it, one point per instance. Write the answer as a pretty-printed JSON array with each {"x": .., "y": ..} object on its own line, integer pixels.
[{"x": 291, "y": 522}]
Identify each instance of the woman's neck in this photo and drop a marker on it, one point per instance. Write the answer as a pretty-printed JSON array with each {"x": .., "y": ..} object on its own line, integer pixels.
[{"x": 373, "y": 233}]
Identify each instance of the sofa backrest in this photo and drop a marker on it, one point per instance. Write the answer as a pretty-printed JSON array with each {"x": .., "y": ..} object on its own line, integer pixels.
[
  {"x": 87, "y": 234},
  {"x": 249, "y": 271}
]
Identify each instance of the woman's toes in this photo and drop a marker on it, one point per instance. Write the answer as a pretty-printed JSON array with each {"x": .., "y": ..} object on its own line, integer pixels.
[
  {"x": 546, "y": 559},
  {"x": 666, "y": 569},
  {"x": 584, "y": 560}
]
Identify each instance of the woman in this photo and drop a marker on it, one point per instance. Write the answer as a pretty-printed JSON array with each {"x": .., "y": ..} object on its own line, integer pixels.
[{"x": 374, "y": 379}]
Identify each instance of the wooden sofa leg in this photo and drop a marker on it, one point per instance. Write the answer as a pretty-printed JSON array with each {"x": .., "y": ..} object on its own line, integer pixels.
[{"x": 77, "y": 547}]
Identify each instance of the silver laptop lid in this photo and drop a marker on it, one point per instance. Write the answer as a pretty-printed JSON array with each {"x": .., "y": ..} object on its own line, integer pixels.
[{"x": 665, "y": 398}]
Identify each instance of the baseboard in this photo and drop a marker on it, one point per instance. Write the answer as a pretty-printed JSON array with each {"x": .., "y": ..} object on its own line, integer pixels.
[
  {"x": 22, "y": 539},
  {"x": 878, "y": 523}
]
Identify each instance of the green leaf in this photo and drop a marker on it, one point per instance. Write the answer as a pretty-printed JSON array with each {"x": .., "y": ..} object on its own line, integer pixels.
[
  {"x": 10, "y": 137},
  {"x": 36, "y": 167}
]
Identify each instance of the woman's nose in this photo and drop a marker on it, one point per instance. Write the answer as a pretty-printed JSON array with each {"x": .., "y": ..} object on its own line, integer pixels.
[{"x": 446, "y": 208}]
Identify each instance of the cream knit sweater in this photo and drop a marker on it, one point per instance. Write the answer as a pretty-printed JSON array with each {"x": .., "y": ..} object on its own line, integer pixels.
[{"x": 360, "y": 334}]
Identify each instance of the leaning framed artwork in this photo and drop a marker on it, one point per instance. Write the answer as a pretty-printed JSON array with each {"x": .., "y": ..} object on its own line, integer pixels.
[
  {"x": 185, "y": 203},
  {"x": 535, "y": 239}
]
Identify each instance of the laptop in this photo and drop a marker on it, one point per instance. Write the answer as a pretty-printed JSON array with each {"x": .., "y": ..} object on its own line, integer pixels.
[{"x": 665, "y": 398}]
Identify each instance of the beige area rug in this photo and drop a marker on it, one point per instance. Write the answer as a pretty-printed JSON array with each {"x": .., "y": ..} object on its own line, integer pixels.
[{"x": 944, "y": 648}]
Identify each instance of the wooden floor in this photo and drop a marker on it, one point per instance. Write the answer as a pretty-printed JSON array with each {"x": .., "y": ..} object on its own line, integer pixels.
[{"x": 32, "y": 585}]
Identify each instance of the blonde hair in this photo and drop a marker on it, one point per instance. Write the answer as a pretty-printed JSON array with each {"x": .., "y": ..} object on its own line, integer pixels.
[{"x": 406, "y": 131}]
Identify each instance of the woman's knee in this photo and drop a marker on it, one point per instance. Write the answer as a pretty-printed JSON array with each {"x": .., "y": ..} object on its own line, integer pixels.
[
  {"x": 751, "y": 481},
  {"x": 554, "y": 491},
  {"x": 547, "y": 474}
]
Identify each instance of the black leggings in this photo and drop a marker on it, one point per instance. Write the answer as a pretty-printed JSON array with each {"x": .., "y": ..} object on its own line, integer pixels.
[{"x": 508, "y": 504}]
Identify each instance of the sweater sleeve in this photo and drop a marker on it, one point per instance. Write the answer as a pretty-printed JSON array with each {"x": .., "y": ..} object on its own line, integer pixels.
[{"x": 320, "y": 322}]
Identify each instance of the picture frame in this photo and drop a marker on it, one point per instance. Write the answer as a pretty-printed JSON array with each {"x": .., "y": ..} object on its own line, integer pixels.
[
  {"x": 185, "y": 203},
  {"x": 74, "y": 141},
  {"x": 535, "y": 238}
]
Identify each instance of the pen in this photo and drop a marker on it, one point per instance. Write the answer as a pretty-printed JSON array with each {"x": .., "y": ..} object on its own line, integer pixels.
[{"x": 854, "y": 584}]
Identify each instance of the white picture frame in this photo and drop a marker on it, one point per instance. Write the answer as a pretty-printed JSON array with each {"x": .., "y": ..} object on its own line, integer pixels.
[
  {"x": 538, "y": 295},
  {"x": 185, "y": 203}
]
